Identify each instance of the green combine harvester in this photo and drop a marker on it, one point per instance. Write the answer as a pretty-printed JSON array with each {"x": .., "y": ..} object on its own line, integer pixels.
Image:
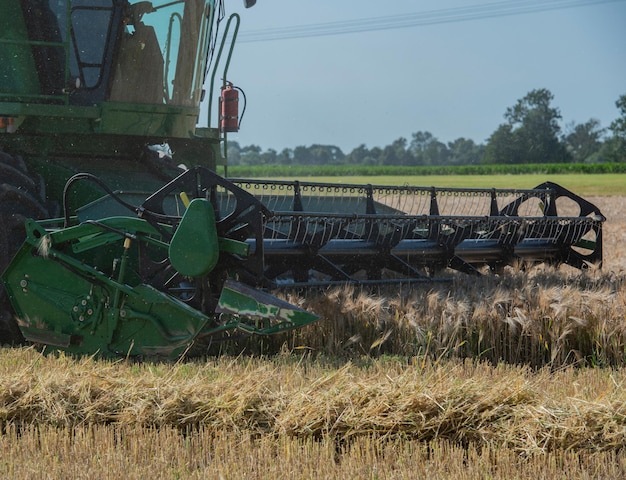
[{"x": 109, "y": 246}]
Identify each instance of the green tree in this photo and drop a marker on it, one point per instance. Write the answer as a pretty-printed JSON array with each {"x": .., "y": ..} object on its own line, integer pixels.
[
  {"x": 584, "y": 141},
  {"x": 326, "y": 154},
  {"x": 389, "y": 156},
  {"x": 419, "y": 145},
  {"x": 397, "y": 153},
  {"x": 375, "y": 156},
  {"x": 233, "y": 152},
  {"x": 464, "y": 151},
  {"x": 502, "y": 147},
  {"x": 269, "y": 157},
  {"x": 358, "y": 155},
  {"x": 285, "y": 157},
  {"x": 428, "y": 150},
  {"x": 615, "y": 147},
  {"x": 532, "y": 133},
  {"x": 250, "y": 155},
  {"x": 618, "y": 126},
  {"x": 436, "y": 153},
  {"x": 302, "y": 156}
]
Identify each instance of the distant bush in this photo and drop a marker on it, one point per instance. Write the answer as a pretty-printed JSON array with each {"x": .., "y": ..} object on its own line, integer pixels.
[{"x": 357, "y": 170}]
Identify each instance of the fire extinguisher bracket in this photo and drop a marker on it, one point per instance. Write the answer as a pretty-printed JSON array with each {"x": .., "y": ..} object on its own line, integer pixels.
[{"x": 229, "y": 108}]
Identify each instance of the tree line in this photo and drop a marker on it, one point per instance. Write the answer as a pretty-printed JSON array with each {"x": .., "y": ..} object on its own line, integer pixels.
[{"x": 531, "y": 134}]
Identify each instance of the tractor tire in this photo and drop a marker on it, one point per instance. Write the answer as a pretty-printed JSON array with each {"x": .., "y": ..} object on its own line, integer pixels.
[{"x": 22, "y": 196}]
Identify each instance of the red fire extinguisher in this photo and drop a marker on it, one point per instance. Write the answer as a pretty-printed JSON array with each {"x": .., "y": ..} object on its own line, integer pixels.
[{"x": 229, "y": 108}]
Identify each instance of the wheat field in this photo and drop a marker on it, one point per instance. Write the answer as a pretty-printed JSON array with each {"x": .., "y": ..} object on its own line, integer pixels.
[
  {"x": 290, "y": 416},
  {"x": 542, "y": 316},
  {"x": 519, "y": 377}
]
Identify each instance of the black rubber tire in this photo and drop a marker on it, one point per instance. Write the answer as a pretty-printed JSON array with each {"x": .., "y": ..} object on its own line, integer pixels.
[{"x": 22, "y": 196}]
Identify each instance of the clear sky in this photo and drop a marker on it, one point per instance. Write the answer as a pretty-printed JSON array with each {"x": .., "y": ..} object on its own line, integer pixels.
[{"x": 454, "y": 74}]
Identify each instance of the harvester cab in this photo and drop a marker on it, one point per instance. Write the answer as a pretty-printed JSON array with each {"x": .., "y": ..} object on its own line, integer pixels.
[
  {"x": 83, "y": 52},
  {"x": 106, "y": 76},
  {"x": 110, "y": 247}
]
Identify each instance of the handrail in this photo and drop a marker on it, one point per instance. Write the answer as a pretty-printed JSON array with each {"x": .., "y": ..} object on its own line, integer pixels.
[
  {"x": 217, "y": 61},
  {"x": 168, "y": 53}
]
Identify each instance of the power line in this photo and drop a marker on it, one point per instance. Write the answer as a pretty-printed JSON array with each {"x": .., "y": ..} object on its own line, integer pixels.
[{"x": 430, "y": 17}]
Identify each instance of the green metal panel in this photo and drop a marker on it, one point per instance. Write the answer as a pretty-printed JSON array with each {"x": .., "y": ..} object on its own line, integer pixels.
[
  {"x": 107, "y": 118},
  {"x": 55, "y": 114},
  {"x": 18, "y": 74},
  {"x": 71, "y": 299},
  {"x": 194, "y": 248},
  {"x": 264, "y": 314},
  {"x": 59, "y": 308},
  {"x": 147, "y": 120},
  {"x": 77, "y": 289}
]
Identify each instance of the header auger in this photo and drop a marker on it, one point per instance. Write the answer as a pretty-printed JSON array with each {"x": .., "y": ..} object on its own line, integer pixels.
[{"x": 110, "y": 247}]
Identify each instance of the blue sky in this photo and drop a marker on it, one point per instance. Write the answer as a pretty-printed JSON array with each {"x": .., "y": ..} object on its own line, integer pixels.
[{"x": 453, "y": 79}]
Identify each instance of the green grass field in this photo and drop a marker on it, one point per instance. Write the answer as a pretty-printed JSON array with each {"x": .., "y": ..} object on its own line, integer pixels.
[{"x": 581, "y": 184}]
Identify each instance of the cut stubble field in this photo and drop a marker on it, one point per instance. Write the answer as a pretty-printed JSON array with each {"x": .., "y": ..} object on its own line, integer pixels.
[{"x": 518, "y": 376}]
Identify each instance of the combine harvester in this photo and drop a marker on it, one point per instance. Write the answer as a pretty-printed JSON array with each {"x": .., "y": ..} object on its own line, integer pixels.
[{"x": 109, "y": 247}]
